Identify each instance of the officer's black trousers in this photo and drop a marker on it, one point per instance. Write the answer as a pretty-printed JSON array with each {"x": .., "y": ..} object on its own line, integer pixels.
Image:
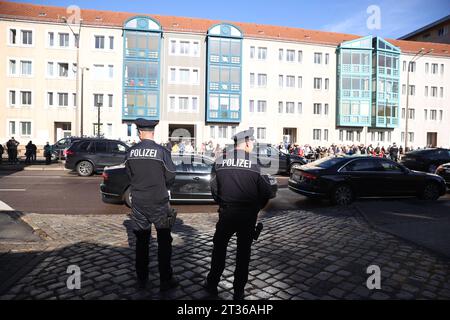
[
  {"x": 242, "y": 222},
  {"x": 164, "y": 253}
]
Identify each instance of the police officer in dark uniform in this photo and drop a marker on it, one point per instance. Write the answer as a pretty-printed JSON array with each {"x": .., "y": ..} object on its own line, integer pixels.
[
  {"x": 241, "y": 192},
  {"x": 151, "y": 172}
]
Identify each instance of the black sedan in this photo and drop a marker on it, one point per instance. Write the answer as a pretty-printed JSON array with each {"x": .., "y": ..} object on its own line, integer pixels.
[
  {"x": 426, "y": 160},
  {"x": 444, "y": 171},
  {"x": 191, "y": 182},
  {"x": 344, "y": 178}
]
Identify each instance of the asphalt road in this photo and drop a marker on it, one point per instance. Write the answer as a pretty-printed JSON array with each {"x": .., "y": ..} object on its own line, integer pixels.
[{"x": 62, "y": 192}]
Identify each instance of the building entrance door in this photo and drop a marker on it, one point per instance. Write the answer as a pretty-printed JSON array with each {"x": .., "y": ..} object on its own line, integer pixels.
[
  {"x": 432, "y": 139},
  {"x": 290, "y": 135},
  {"x": 62, "y": 130},
  {"x": 182, "y": 133}
]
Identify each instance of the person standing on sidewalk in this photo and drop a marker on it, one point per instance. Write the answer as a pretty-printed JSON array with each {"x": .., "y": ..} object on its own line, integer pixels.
[
  {"x": 151, "y": 172},
  {"x": 241, "y": 192},
  {"x": 48, "y": 153},
  {"x": 1, "y": 153}
]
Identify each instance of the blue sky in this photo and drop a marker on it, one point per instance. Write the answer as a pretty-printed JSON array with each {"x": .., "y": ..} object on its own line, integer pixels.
[{"x": 397, "y": 17}]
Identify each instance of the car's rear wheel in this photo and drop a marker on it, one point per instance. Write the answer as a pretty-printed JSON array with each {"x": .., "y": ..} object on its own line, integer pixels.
[
  {"x": 85, "y": 168},
  {"x": 127, "y": 197},
  {"x": 430, "y": 191},
  {"x": 342, "y": 195}
]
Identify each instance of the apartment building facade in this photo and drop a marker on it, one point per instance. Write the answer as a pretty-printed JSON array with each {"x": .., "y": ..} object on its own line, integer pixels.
[{"x": 204, "y": 80}]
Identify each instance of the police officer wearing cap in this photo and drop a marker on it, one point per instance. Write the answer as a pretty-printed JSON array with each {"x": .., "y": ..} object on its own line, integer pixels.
[
  {"x": 241, "y": 192},
  {"x": 151, "y": 172}
]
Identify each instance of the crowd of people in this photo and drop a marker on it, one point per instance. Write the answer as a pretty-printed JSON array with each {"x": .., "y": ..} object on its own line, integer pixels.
[
  {"x": 393, "y": 151},
  {"x": 11, "y": 148}
]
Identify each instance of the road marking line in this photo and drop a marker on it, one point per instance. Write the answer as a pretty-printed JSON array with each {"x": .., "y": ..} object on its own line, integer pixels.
[
  {"x": 5, "y": 207},
  {"x": 13, "y": 190}
]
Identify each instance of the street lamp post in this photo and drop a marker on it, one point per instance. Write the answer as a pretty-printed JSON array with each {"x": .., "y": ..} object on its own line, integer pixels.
[
  {"x": 77, "y": 43},
  {"x": 82, "y": 100},
  {"x": 99, "y": 104},
  {"x": 414, "y": 59}
]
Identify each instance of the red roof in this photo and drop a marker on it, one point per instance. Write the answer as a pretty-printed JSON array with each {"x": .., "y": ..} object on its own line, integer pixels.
[{"x": 25, "y": 11}]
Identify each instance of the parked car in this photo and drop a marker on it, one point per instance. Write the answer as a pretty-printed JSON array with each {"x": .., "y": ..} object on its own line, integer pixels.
[
  {"x": 344, "y": 178},
  {"x": 60, "y": 146},
  {"x": 193, "y": 173},
  {"x": 90, "y": 155},
  {"x": 280, "y": 162},
  {"x": 444, "y": 171},
  {"x": 426, "y": 160}
]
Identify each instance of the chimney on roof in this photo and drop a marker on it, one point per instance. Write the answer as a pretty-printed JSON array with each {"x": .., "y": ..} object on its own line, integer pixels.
[{"x": 42, "y": 14}]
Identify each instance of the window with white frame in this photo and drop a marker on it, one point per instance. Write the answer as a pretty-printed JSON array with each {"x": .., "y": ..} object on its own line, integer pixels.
[
  {"x": 110, "y": 100},
  {"x": 327, "y": 83},
  {"x": 425, "y": 113},
  {"x": 325, "y": 134},
  {"x": 63, "y": 69},
  {"x": 252, "y": 80},
  {"x": 280, "y": 81},
  {"x": 318, "y": 83},
  {"x": 25, "y": 128},
  {"x": 63, "y": 39},
  {"x": 262, "y": 53},
  {"x": 441, "y": 114},
  {"x": 434, "y": 91},
  {"x": 280, "y": 107},
  {"x": 299, "y": 108},
  {"x": 12, "y": 128},
  {"x": 299, "y": 82},
  {"x": 317, "y": 108},
  {"x": 290, "y": 81},
  {"x": 111, "y": 43},
  {"x": 299, "y": 56},
  {"x": 223, "y": 130},
  {"x": 110, "y": 71},
  {"x": 184, "y": 47},
  {"x": 173, "y": 47},
  {"x": 25, "y": 68},
  {"x": 426, "y": 91},
  {"x": 280, "y": 54},
  {"x": 404, "y": 89},
  {"x": 441, "y": 92},
  {"x": 212, "y": 132},
  {"x": 98, "y": 99},
  {"x": 442, "y": 68},
  {"x": 261, "y": 133},
  {"x": 290, "y": 107},
  {"x": 51, "y": 39},
  {"x": 327, "y": 58},
  {"x": 184, "y": 76},
  {"x": 262, "y": 106},
  {"x": 326, "y": 109},
  {"x": 99, "y": 42},
  {"x": 27, "y": 37},
  {"x": 12, "y": 67},
  {"x": 317, "y": 58},
  {"x": 63, "y": 99},
  {"x": 12, "y": 36},
  {"x": 251, "y": 106},
  {"x": 12, "y": 97},
  {"x": 50, "y": 99},
  {"x": 427, "y": 67},
  {"x": 183, "y": 103},
  {"x": 252, "y": 52},
  {"x": 411, "y": 136},
  {"x": 434, "y": 68},
  {"x": 412, "y": 113},
  {"x": 317, "y": 133},
  {"x": 262, "y": 80},
  {"x": 433, "y": 114},
  {"x": 25, "y": 98},
  {"x": 412, "y": 90},
  {"x": 290, "y": 55}
]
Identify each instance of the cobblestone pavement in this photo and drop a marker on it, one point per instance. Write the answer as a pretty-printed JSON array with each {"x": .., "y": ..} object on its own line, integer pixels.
[{"x": 320, "y": 254}]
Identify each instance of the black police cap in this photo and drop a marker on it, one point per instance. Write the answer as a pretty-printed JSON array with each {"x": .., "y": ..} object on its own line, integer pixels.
[
  {"x": 243, "y": 135},
  {"x": 143, "y": 124}
]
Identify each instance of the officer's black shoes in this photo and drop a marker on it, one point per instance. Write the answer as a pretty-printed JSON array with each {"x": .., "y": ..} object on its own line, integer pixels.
[
  {"x": 169, "y": 284},
  {"x": 210, "y": 288},
  {"x": 142, "y": 284},
  {"x": 238, "y": 295}
]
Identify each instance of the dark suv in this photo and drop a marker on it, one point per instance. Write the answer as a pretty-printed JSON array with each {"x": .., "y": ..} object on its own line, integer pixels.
[
  {"x": 61, "y": 145},
  {"x": 87, "y": 156}
]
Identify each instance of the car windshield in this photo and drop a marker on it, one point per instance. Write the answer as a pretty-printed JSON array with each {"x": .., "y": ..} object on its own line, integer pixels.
[{"x": 326, "y": 163}]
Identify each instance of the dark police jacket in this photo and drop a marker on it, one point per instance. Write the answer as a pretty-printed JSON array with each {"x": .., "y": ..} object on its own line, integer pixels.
[
  {"x": 151, "y": 172},
  {"x": 236, "y": 180}
]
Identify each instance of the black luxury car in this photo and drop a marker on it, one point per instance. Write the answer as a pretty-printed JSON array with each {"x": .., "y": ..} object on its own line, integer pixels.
[
  {"x": 191, "y": 182},
  {"x": 426, "y": 160},
  {"x": 60, "y": 146},
  {"x": 344, "y": 178},
  {"x": 274, "y": 161},
  {"x": 90, "y": 155},
  {"x": 444, "y": 171}
]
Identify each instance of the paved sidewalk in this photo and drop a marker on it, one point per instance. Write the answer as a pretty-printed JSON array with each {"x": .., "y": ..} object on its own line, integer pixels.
[
  {"x": 38, "y": 166},
  {"x": 300, "y": 255}
]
